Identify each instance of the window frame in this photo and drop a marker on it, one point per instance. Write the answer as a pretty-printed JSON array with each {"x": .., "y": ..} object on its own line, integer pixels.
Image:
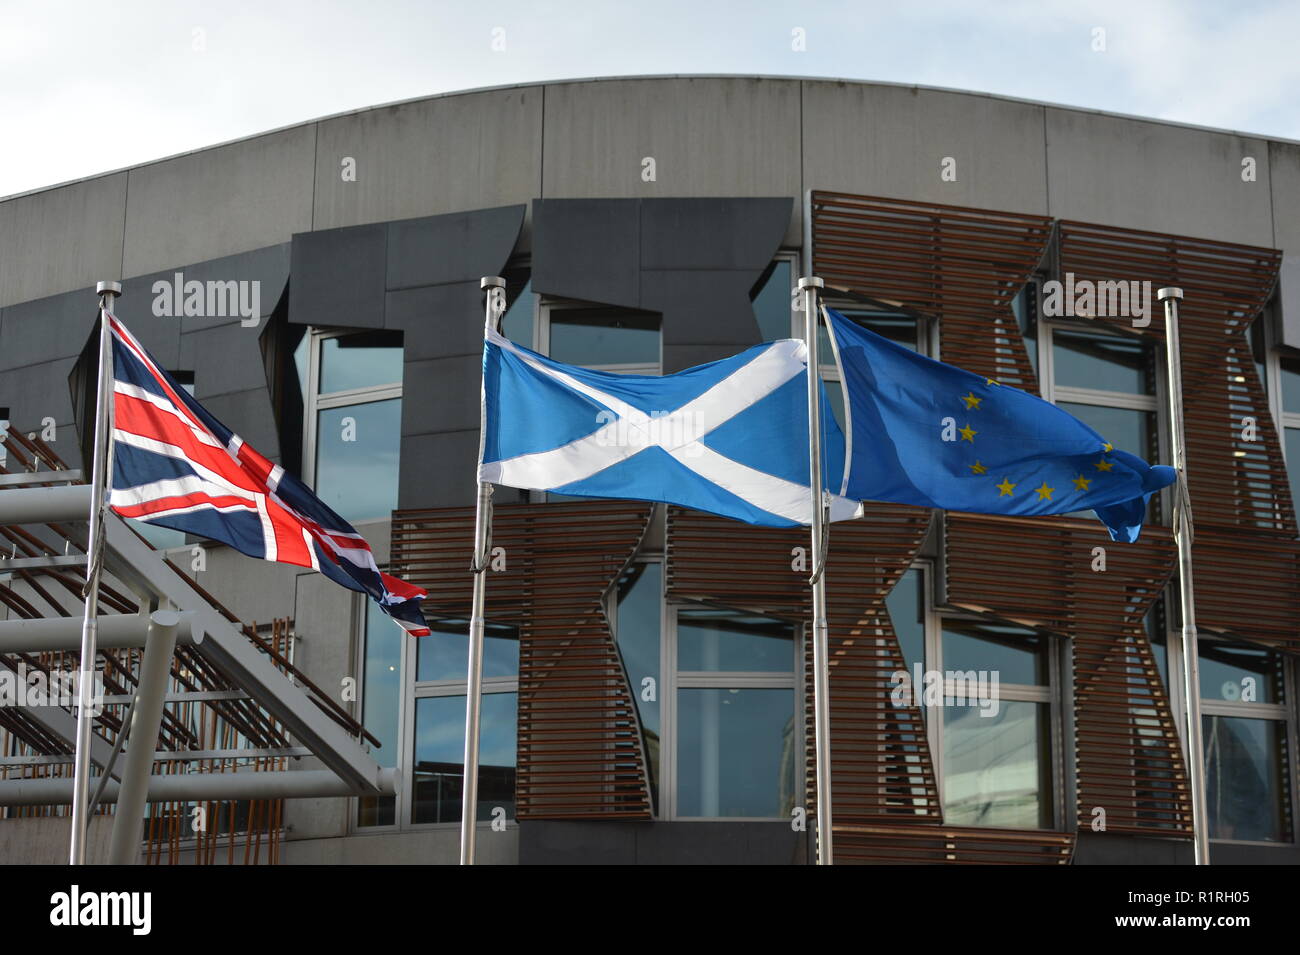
[
  {"x": 546, "y": 306},
  {"x": 1055, "y": 694},
  {"x": 1284, "y": 712},
  {"x": 313, "y": 402}
]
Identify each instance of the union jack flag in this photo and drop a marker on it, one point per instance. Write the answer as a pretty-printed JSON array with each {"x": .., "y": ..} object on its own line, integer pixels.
[{"x": 176, "y": 466}]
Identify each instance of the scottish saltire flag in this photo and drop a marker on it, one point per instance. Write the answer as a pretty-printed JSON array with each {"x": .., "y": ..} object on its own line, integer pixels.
[
  {"x": 176, "y": 466},
  {"x": 922, "y": 432},
  {"x": 729, "y": 437}
]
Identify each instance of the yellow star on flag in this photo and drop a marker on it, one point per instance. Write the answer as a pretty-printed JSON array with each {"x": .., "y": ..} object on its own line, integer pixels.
[
  {"x": 1081, "y": 483},
  {"x": 968, "y": 433},
  {"x": 991, "y": 381},
  {"x": 1006, "y": 487},
  {"x": 1108, "y": 447},
  {"x": 977, "y": 468},
  {"x": 971, "y": 401},
  {"x": 1104, "y": 465},
  {"x": 1044, "y": 493}
]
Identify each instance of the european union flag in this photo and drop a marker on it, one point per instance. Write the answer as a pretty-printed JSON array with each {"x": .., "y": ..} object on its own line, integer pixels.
[{"x": 922, "y": 432}]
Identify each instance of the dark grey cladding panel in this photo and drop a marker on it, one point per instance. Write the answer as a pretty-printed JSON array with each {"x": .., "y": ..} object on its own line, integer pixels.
[
  {"x": 441, "y": 394},
  {"x": 555, "y": 842},
  {"x": 224, "y": 360},
  {"x": 1123, "y": 849},
  {"x": 268, "y": 267},
  {"x": 692, "y": 260},
  {"x": 680, "y": 357},
  {"x": 46, "y": 329},
  {"x": 438, "y": 470},
  {"x": 35, "y": 392},
  {"x": 1289, "y": 297},
  {"x": 703, "y": 308},
  {"x": 248, "y": 414},
  {"x": 588, "y": 249},
  {"x": 338, "y": 277},
  {"x": 459, "y": 247},
  {"x": 438, "y": 321},
  {"x": 723, "y": 234}
]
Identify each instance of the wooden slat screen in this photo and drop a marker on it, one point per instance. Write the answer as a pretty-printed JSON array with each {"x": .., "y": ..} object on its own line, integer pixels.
[
  {"x": 965, "y": 265},
  {"x": 581, "y": 753},
  {"x": 880, "y": 757}
]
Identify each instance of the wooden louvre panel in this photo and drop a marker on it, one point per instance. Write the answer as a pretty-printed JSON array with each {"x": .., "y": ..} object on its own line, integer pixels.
[
  {"x": 1233, "y": 482},
  {"x": 580, "y": 749},
  {"x": 963, "y": 265},
  {"x": 1045, "y": 574},
  {"x": 880, "y": 757}
]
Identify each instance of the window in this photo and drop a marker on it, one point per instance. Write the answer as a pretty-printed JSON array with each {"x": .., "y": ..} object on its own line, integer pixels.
[
  {"x": 1248, "y": 731},
  {"x": 718, "y": 702},
  {"x": 413, "y": 695},
  {"x": 620, "y": 340},
  {"x": 1106, "y": 379},
  {"x": 992, "y": 711},
  {"x": 352, "y": 420}
]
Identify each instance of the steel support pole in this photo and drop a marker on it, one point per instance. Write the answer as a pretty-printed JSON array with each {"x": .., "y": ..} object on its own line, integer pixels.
[
  {"x": 493, "y": 308},
  {"x": 1187, "y": 601},
  {"x": 100, "y": 474},
  {"x": 146, "y": 719},
  {"x": 821, "y": 657}
]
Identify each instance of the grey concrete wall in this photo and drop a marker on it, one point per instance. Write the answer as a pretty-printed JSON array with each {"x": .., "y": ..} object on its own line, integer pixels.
[{"x": 709, "y": 136}]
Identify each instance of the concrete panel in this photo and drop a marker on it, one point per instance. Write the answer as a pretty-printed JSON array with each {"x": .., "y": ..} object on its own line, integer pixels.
[
  {"x": 460, "y": 247},
  {"x": 439, "y": 470},
  {"x": 588, "y": 250},
  {"x": 48, "y": 328},
  {"x": 61, "y": 239},
  {"x": 224, "y": 360},
  {"x": 708, "y": 137},
  {"x": 438, "y": 321},
  {"x": 248, "y": 414},
  {"x": 45, "y": 840},
  {"x": 465, "y": 151},
  {"x": 441, "y": 394},
  {"x": 440, "y": 846},
  {"x": 1139, "y": 175},
  {"x": 1284, "y": 175},
  {"x": 255, "y": 591},
  {"x": 34, "y": 392},
  {"x": 338, "y": 277},
  {"x": 220, "y": 201},
  {"x": 891, "y": 141}
]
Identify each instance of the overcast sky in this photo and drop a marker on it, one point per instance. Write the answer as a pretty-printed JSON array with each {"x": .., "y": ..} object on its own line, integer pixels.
[{"x": 90, "y": 86}]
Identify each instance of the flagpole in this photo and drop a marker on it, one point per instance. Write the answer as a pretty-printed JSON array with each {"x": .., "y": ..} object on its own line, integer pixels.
[
  {"x": 821, "y": 676},
  {"x": 1183, "y": 539},
  {"x": 493, "y": 308},
  {"x": 100, "y": 469}
]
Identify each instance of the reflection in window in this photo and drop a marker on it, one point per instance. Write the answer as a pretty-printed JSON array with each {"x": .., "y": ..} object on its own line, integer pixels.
[
  {"x": 906, "y": 605},
  {"x": 1289, "y": 369},
  {"x": 637, "y": 626},
  {"x": 737, "y": 750},
  {"x": 997, "y": 769},
  {"x": 717, "y": 640},
  {"x": 1127, "y": 429},
  {"x": 772, "y": 301},
  {"x": 444, "y": 654},
  {"x": 1085, "y": 359},
  {"x": 357, "y": 448},
  {"x": 1237, "y": 672},
  {"x": 610, "y": 338},
  {"x": 360, "y": 360},
  {"x": 381, "y": 700},
  {"x": 439, "y": 770},
  {"x": 1292, "y": 438},
  {"x": 1245, "y": 778},
  {"x": 1018, "y": 656}
]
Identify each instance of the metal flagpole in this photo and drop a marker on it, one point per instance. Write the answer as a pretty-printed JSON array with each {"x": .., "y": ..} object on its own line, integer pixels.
[
  {"x": 821, "y": 675},
  {"x": 101, "y": 467},
  {"x": 1183, "y": 538},
  {"x": 494, "y": 307}
]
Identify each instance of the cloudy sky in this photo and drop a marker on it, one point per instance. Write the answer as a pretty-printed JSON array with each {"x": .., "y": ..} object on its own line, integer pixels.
[{"x": 87, "y": 87}]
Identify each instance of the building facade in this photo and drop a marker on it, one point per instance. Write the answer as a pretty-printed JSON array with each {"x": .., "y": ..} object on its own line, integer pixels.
[{"x": 647, "y": 696}]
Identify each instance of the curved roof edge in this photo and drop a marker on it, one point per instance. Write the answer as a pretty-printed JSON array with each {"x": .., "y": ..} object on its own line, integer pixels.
[{"x": 654, "y": 76}]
